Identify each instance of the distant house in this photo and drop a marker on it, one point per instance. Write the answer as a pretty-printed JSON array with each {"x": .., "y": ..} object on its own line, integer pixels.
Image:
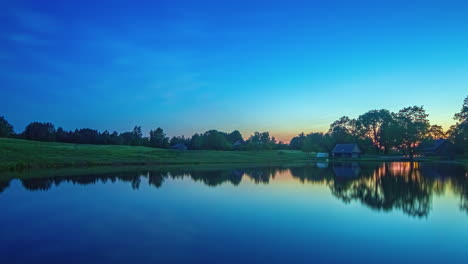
[
  {"x": 346, "y": 151},
  {"x": 179, "y": 146},
  {"x": 238, "y": 144},
  {"x": 438, "y": 147}
]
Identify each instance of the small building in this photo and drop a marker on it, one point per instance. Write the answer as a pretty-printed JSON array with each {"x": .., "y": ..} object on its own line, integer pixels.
[
  {"x": 346, "y": 151},
  {"x": 322, "y": 155},
  {"x": 439, "y": 147},
  {"x": 238, "y": 144},
  {"x": 179, "y": 146}
]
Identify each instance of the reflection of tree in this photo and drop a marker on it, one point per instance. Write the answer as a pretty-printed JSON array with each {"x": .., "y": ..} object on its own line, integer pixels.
[
  {"x": 4, "y": 185},
  {"x": 217, "y": 177},
  {"x": 392, "y": 186},
  {"x": 155, "y": 179},
  {"x": 262, "y": 175},
  {"x": 312, "y": 174},
  {"x": 384, "y": 190},
  {"x": 459, "y": 183},
  {"x": 37, "y": 184}
]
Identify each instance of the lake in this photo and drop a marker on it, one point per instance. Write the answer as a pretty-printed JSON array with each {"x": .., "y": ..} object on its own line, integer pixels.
[{"x": 320, "y": 213}]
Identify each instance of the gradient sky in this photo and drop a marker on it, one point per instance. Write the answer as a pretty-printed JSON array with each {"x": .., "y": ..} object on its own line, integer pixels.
[{"x": 190, "y": 66}]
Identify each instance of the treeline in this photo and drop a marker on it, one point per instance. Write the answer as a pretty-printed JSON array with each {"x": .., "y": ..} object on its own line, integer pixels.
[
  {"x": 209, "y": 140},
  {"x": 382, "y": 131},
  {"x": 377, "y": 131}
]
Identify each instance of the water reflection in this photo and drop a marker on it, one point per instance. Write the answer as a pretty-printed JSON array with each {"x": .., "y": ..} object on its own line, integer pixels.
[{"x": 404, "y": 186}]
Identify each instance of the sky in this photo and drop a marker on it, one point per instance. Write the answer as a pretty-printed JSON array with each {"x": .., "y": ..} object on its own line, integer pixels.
[{"x": 189, "y": 66}]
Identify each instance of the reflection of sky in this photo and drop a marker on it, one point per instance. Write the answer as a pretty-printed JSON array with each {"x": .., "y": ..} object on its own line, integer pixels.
[{"x": 189, "y": 67}]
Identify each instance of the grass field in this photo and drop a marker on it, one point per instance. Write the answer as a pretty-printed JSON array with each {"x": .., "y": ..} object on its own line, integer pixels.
[{"x": 21, "y": 154}]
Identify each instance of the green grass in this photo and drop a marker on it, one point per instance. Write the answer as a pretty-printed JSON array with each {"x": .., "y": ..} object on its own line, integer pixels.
[{"x": 23, "y": 154}]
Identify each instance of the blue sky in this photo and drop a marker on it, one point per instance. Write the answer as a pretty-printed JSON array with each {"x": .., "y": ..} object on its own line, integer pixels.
[{"x": 190, "y": 66}]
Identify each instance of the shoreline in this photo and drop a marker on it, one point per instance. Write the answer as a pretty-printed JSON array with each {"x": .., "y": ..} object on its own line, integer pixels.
[{"x": 18, "y": 156}]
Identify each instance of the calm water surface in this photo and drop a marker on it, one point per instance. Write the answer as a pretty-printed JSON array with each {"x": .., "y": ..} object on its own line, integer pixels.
[{"x": 321, "y": 213}]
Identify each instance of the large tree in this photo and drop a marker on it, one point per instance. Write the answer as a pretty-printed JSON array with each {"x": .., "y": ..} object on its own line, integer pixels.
[
  {"x": 411, "y": 126},
  {"x": 40, "y": 131},
  {"x": 375, "y": 126},
  {"x": 158, "y": 139},
  {"x": 314, "y": 142},
  {"x": 260, "y": 141},
  {"x": 6, "y": 129},
  {"x": 343, "y": 130},
  {"x": 462, "y": 116},
  {"x": 235, "y": 136},
  {"x": 459, "y": 132}
]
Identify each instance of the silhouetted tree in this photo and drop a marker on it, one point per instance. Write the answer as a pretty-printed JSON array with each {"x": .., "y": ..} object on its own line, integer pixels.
[
  {"x": 297, "y": 142},
  {"x": 6, "y": 129},
  {"x": 158, "y": 139},
  {"x": 180, "y": 140},
  {"x": 458, "y": 133},
  {"x": 234, "y": 136},
  {"x": 412, "y": 126},
  {"x": 343, "y": 130},
  {"x": 436, "y": 132},
  {"x": 215, "y": 140},
  {"x": 374, "y": 125},
  {"x": 260, "y": 141},
  {"x": 40, "y": 131}
]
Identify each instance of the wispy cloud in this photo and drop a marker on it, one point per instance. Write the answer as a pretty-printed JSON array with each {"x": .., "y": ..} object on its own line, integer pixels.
[
  {"x": 27, "y": 39},
  {"x": 30, "y": 28},
  {"x": 34, "y": 21}
]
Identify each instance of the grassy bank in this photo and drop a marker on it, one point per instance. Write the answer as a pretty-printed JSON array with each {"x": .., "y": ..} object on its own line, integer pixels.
[{"x": 21, "y": 154}]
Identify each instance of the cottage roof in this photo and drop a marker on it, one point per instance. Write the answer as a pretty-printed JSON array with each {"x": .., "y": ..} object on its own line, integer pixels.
[
  {"x": 179, "y": 146},
  {"x": 435, "y": 145},
  {"x": 346, "y": 148}
]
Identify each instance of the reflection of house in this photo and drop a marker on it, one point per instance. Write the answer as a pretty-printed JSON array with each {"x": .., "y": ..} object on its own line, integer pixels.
[
  {"x": 322, "y": 155},
  {"x": 179, "y": 146},
  {"x": 322, "y": 165},
  {"x": 438, "y": 147},
  {"x": 346, "y": 170},
  {"x": 346, "y": 151}
]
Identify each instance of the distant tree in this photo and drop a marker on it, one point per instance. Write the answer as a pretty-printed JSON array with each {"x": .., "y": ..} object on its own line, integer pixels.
[
  {"x": 87, "y": 136},
  {"x": 343, "y": 130},
  {"x": 215, "y": 140},
  {"x": 297, "y": 142},
  {"x": 134, "y": 138},
  {"x": 40, "y": 131},
  {"x": 436, "y": 132},
  {"x": 137, "y": 132},
  {"x": 234, "y": 136},
  {"x": 105, "y": 138},
  {"x": 314, "y": 142},
  {"x": 115, "y": 139},
  {"x": 63, "y": 136},
  {"x": 158, "y": 139},
  {"x": 196, "y": 142},
  {"x": 261, "y": 141},
  {"x": 127, "y": 138},
  {"x": 6, "y": 129},
  {"x": 180, "y": 140}
]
